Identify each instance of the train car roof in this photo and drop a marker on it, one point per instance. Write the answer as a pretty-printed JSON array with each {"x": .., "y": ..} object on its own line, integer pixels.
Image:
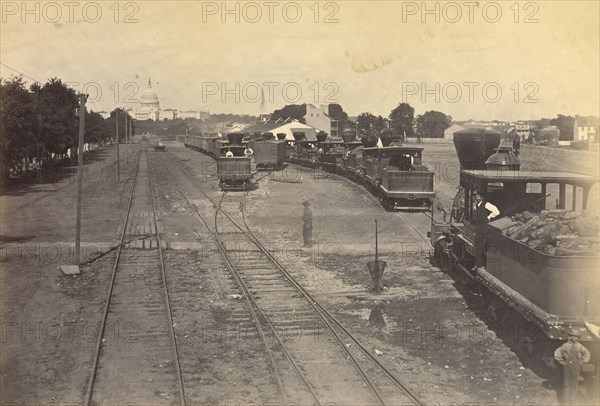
[
  {"x": 528, "y": 176},
  {"x": 232, "y": 146},
  {"x": 394, "y": 148}
]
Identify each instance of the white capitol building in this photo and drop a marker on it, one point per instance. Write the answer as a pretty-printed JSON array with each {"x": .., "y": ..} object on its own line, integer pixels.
[{"x": 149, "y": 109}]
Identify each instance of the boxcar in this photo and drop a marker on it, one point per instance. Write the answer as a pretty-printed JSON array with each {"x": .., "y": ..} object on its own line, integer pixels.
[{"x": 269, "y": 154}]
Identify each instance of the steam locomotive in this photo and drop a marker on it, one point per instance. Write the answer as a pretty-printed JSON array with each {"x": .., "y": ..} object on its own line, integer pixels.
[
  {"x": 529, "y": 266},
  {"x": 394, "y": 173}
]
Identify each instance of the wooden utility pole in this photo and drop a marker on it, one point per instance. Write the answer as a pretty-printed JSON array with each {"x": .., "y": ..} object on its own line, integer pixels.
[
  {"x": 118, "y": 159},
  {"x": 126, "y": 136},
  {"x": 82, "y": 98}
]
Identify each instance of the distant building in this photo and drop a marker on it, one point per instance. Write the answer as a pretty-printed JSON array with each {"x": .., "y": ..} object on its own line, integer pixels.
[
  {"x": 232, "y": 128},
  {"x": 449, "y": 132},
  {"x": 149, "y": 108},
  {"x": 319, "y": 118},
  {"x": 585, "y": 129},
  {"x": 168, "y": 114},
  {"x": 523, "y": 130}
]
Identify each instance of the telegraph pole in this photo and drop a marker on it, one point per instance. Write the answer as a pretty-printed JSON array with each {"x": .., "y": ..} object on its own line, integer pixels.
[
  {"x": 118, "y": 159},
  {"x": 82, "y": 98},
  {"x": 126, "y": 136}
]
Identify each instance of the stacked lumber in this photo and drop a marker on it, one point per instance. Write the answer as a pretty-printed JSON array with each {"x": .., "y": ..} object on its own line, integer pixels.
[{"x": 557, "y": 232}]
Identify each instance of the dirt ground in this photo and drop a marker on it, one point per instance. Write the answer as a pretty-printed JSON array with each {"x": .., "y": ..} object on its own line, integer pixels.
[{"x": 428, "y": 328}]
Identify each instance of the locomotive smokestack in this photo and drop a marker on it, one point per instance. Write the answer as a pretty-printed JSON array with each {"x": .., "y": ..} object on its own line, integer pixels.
[{"x": 474, "y": 146}]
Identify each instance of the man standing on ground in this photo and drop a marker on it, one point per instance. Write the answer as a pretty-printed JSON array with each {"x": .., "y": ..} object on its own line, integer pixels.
[
  {"x": 571, "y": 355},
  {"x": 307, "y": 218}
]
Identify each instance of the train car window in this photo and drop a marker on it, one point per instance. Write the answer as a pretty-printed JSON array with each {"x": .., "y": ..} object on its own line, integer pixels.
[
  {"x": 534, "y": 188},
  {"x": 492, "y": 186}
]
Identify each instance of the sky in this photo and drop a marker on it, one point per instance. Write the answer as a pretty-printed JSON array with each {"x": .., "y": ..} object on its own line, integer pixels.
[{"x": 504, "y": 60}]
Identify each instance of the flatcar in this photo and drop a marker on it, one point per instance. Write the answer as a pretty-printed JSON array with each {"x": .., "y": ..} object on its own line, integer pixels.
[{"x": 530, "y": 270}]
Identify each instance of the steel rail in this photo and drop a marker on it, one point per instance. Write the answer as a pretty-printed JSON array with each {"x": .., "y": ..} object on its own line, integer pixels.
[
  {"x": 165, "y": 289},
  {"x": 255, "y": 319},
  {"x": 92, "y": 379},
  {"x": 249, "y": 296},
  {"x": 323, "y": 311},
  {"x": 307, "y": 297}
]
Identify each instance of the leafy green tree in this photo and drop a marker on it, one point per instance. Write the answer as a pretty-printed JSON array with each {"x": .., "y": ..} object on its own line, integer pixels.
[
  {"x": 402, "y": 119},
  {"x": 432, "y": 124}
]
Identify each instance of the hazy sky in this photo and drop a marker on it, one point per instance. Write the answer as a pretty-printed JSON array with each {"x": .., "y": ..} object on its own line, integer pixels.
[{"x": 481, "y": 60}]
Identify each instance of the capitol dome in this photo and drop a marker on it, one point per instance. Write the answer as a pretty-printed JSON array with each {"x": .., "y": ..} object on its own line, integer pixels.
[{"x": 149, "y": 98}]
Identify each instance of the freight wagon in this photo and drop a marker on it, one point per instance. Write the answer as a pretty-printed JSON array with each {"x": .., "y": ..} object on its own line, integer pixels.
[{"x": 269, "y": 155}]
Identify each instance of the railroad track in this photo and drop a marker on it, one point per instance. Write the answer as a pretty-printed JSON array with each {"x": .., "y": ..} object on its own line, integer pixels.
[
  {"x": 136, "y": 352},
  {"x": 315, "y": 359}
]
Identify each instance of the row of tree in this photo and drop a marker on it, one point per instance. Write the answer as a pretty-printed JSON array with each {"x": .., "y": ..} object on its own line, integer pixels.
[
  {"x": 40, "y": 122},
  {"x": 401, "y": 120}
]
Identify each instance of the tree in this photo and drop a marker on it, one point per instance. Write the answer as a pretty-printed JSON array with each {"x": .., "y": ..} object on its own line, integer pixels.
[
  {"x": 565, "y": 125},
  {"x": 111, "y": 122},
  {"x": 371, "y": 124},
  {"x": 544, "y": 122},
  {"x": 432, "y": 124},
  {"x": 292, "y": 111},
  {"x": 17, "y": 119},
  {"x": 56, "y": 106},
  {"x": 402, "y": 119},
  {"x": 337, "y": 112},
  {"x": 96, "y": 128}
]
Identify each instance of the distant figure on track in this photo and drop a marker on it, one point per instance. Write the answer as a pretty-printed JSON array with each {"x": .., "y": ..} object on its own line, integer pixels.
[
  {"x": 307, "y": 218},
  {"x": 571, "y": 355}
]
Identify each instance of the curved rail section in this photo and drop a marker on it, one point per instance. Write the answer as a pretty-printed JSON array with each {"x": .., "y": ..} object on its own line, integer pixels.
[
  {"x": 329, "y": 362},
  {"x": 136, "y": 353}
]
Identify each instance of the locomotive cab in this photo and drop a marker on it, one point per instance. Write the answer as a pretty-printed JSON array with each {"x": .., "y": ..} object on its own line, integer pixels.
[{"x": 537, "y": 260}]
